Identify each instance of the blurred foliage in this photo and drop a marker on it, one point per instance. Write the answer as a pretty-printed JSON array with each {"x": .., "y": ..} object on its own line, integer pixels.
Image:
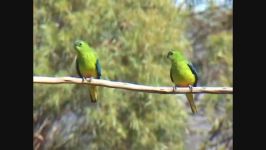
[
  {"x": 132, "y": 38},
  {"x": 210, "y": 33}
]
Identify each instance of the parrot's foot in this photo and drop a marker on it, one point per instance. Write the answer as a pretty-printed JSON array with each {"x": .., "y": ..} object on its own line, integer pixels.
[
  {"x": 174, "y": 88},
  {"x": 90, "y": 79},
  {"x": 83, "y": 79},
  {"x": 190, "y": 87}
]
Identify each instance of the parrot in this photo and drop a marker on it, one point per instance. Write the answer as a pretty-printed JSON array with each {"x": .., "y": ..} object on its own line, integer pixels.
[
  {"x": 87, "y": 65},
  {"x": 183, "y": 74}
]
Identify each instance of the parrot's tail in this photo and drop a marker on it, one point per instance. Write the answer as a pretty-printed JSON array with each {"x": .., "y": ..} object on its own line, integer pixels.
[
  {"x": 93, "y": 93},
  {"x": 191, "y": 103}
]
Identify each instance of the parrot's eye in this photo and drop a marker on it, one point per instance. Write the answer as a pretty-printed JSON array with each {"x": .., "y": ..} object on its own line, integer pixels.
[
  {"x": 169, "y": 54},
  {"x": 79, "y": 44}
]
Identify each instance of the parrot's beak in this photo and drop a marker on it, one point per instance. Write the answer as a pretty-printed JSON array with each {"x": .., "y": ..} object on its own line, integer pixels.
[{"x": 169, "y": 53}]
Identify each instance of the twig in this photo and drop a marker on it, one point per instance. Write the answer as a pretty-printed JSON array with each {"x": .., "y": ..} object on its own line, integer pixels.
[{"x": 133, "y": 87}]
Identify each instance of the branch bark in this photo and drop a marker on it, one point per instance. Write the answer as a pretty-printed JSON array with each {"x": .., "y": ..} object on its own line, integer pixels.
[{"x": 133, "y": 87}]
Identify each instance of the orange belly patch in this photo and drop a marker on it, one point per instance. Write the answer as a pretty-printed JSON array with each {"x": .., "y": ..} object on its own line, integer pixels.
[
  {"x": 88, "y": 74},
  {"x": 183, "y": 84}
]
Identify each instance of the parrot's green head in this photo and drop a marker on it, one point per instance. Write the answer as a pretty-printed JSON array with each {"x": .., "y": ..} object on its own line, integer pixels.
[
  {"x": 174, "y": 55},
  {"x": 80, "y": 45}
]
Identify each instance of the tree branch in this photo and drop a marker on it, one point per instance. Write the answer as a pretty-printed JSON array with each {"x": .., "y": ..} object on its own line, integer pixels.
[{"x": 133, "y": 87}]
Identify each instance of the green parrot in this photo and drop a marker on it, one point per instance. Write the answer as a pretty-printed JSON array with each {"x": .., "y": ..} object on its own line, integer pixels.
[
  {"x": 183, "y": 74},
  {"x": 87, "y": 65}
]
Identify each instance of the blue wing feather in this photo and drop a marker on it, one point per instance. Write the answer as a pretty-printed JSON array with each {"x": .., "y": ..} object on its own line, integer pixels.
[
  {"x": 194, "y": 72},
  {"x": 98, "y": 69}
]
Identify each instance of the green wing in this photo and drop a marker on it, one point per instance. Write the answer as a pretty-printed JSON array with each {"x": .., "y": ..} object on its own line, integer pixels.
[
  {"x": 171, "y": 75},
  {"x": 77, "y": 68}
]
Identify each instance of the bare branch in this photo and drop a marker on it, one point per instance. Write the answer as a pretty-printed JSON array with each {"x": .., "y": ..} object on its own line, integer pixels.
[{"x": 133, "y": 87}]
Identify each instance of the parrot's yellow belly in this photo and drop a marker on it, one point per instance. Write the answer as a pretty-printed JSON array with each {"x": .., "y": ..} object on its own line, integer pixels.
[
  {"x": 184, "y": 83},
  {"x": 183, "y": 78}
]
